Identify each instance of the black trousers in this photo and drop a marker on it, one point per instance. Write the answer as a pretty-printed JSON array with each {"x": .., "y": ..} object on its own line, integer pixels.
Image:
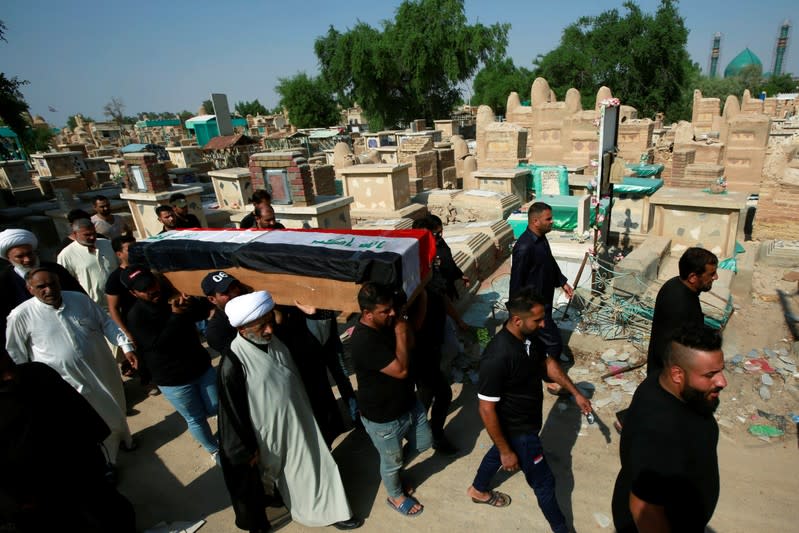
[{"x": 433, "y": 387}]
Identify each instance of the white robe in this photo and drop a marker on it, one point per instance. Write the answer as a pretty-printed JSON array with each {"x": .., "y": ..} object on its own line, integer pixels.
[
  {"x": 292, "y": 449},
  {"x": 91, "y": 269},
  {"x": 72, "y": 340}
]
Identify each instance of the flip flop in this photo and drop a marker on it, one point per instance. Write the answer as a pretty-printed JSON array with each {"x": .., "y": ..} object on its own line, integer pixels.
[
  {"x": 406, "y": 506},
  {"x": 497, "y": 499}
]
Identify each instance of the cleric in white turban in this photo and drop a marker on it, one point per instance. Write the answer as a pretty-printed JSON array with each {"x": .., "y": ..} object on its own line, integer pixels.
[
  {"x": 18, "y": 247},
  {"x": 259, "y": 384},
  {"x": 248, "y": 307},
  {"x": 13, "y": 238}
]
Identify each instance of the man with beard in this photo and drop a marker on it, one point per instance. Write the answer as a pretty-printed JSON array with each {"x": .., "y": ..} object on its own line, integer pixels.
[
  {"x": 381, "y": 343},
  {"x": 18, "y": 246},
  {"x": 166, "y": 216},
  {"x": 89, "y": 259},
  {"x": 280, "y": 435},
  {"x": 533, "y": 265},
  {"x": 510, "y": 402},
  {"x": 68, "y": 332},
  {"x": 677, "y": 302},
  {"x": 180, "y": 208},
  {"x": 105, "y": 222},
  {"x": 669, "y": 478}
]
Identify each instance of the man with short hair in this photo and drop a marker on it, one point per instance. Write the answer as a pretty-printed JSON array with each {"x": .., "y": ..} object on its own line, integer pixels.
[
  {"x": 68, "y": 331},
  {"x": 105, "y": 222},
  {"x": 18, "y": 246},
  {"x": 72, "y": 216},
  {"x": 118, "y": 297},
  {"x": 510, "y": 402},
  {"x": 170, "y": 347},
  {"x": 220, "y": 287},
  {"x": 533, "y": 265},
  {"x": 677, "y": 302},
  {"x": 390, "y": 412},
  {"x": 669, "y": 478},
  {"x": 180, "y": 207},
  {"x": 166, "y": 216},
  {"x": 265, "y": 218},
  {"x": 89, "y": 259},
  {"x": 259, "y": 198},
  {"x": 280, "y": 433}
]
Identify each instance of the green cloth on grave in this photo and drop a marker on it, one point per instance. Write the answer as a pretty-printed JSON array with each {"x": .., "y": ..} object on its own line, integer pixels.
[
  {"x": 535, "y": 176},
  {"x": 646, "y": 171}
]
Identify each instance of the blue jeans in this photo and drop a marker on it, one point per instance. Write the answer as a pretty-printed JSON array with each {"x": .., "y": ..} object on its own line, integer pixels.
[
  {"x": 387, "y": 438},
  {"x": 196, "y": 401},
  {"x": 536, "y": 471}
]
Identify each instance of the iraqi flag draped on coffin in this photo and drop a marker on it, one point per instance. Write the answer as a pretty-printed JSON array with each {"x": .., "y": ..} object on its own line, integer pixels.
[{"x": 400, "y": 258}]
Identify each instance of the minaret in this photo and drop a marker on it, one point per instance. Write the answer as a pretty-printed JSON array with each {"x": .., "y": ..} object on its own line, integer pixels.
[
  {"x": 782, "y": 46},
  {"x": 715, "y": 52}
]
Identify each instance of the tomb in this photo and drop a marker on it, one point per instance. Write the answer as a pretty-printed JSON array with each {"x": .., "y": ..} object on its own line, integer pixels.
[
  {"x": 379, "y": 191},
  {"x": 508, "y": 181},
  {"x": 232, "y": 187},
  {"x": 694, "y": 218},
  {"x": 147, "y": 186}
]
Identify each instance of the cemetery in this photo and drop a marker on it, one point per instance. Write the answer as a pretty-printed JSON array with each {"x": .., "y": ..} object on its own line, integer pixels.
[{"x": 629, "y": 194}]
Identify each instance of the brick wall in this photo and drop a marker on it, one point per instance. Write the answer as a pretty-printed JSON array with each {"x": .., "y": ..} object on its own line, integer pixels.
[
  {"x": 778, "y": 204},
  {"x": 155, "y": 177},
  {"x": 300, "y": 180},
  {"x": 324, "y": 180}
]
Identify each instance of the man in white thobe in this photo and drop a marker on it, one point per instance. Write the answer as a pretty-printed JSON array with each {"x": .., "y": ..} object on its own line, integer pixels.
[
  {"x": 290, "y": 446},
  {"x": 68, "y": 332},
  {"x": 89, "y": 259}
]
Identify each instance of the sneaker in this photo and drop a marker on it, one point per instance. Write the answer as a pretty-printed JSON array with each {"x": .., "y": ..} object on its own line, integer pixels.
[
  {"x": 215, "y": 457},
  {"x": 154, "y": 391}
]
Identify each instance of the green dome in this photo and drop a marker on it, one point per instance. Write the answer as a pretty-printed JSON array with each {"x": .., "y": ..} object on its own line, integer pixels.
[{"x": 741, "y": 61}]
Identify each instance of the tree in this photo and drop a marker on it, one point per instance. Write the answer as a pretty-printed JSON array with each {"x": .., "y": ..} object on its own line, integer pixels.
[
  {"x": 642, "y": 58},
  {"x": 253, "y": 108},
  {"x": 12, "y": 103},
  {"x": 185, "y": 115},
  {"x": 411, "y": 67},
  {"x": 72, "y": 123},
  {"x": 497, "y": 80},
  {"x": 115, "y": 110},
  {"x": 209, "y": 107},
  {"x": 309, "y": 101}
]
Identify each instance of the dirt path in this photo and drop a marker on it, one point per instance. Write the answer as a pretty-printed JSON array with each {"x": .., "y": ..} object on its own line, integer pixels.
[{"x": 171, "y": 478}]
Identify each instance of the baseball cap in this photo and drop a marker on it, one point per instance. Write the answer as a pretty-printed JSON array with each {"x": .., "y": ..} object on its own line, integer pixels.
[
  {"x": 137, "y": 278},
  {"x": 217, "y": 282}
]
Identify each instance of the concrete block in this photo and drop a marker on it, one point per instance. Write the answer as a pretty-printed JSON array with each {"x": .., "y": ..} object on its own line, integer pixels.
[{"x": 642, "y": 265}]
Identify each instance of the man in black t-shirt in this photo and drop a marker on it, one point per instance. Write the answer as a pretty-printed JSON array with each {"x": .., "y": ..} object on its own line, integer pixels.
[
  {"x": 510, "y": 395},
  {"x": 180, "y": 207},
  {"x": 390, "y": 411},
  {"x": 677, "y": 302},
  {"x": 669, "y": 478}
]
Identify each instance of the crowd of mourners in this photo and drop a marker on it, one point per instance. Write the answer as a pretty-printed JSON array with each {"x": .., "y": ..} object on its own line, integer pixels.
[{"x": 72, "y": 328}]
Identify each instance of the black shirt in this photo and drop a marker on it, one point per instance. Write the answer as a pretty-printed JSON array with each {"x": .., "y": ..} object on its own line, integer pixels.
[
  {"x": 219, "y": 333},
  {"x": 675, "y": 305},
  {"x": 534, "y": 266},
  {"x": 381, "y": 398},
  {"x": 189, "y": 221},
  {"x": 512, "y": 378},
  {"x": 169, "y": 343},
  {"x": 247, "y": 222},
  {"x": 114, "y": 287},
  {"x": 668, "y": 458}
]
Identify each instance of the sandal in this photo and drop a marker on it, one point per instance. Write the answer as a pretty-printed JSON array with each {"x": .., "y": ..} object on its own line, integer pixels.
[
  {"x": 406, "y": 506},
  {"x": 497, "y": 499}
]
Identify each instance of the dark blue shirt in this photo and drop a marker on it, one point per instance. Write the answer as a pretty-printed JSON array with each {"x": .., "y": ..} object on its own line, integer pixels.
[{"x": 533, "y": 265}]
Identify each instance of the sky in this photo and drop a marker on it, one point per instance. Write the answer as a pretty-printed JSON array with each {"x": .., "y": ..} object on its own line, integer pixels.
[{"x": 170, "y": 55}]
